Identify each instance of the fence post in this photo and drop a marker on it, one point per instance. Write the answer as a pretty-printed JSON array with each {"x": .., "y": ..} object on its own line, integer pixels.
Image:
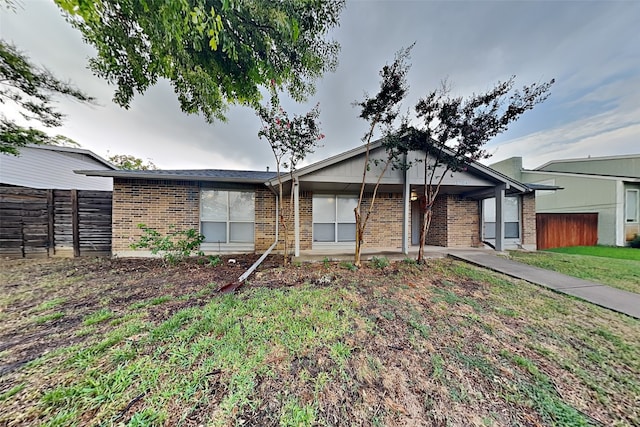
[
  {"x": 75, "y": 222},
  {"x": 51, "y": 250}
]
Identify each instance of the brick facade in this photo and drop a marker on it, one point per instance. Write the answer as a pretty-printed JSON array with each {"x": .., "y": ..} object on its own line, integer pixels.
[
  {"x": 529, "y": 236},
  {"x": 437, "y": 233},
  {"x": 384, "y": 229},
  {"x": 455, "y": 222},
  {"x": 159, "y": 204}
]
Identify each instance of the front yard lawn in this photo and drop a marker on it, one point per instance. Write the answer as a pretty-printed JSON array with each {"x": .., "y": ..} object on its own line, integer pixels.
[
  {"x": 130, "y": 342},
  {"x": 601, "y": 251},
  {"x": 616, "y": 272}
]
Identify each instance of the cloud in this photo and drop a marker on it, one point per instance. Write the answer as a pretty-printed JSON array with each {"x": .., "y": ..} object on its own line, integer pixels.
[{"x": 589, "y": 47}]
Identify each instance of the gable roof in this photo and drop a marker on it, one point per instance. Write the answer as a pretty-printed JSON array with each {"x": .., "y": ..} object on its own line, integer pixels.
[
  {"x": 474, "y": 166},
  {"x": 213, "y": 175},
  {"x": 270, "y": 178}
]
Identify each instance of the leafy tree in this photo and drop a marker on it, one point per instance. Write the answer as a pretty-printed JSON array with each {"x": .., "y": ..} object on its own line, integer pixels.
[
  {"x": 291, "y": 140},
  {"x": 30, "y": 89},
  {"x": 454, "y": 131},
  {"x": 129, "y": 162},
  {"x": 381, "y": 111},
  {"x": 214, "y": 52}
]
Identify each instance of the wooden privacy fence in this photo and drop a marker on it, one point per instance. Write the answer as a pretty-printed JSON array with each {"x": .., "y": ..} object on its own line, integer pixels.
[
  {"x": 556, "y": 230},
  {"x": 36, "y": 223}
]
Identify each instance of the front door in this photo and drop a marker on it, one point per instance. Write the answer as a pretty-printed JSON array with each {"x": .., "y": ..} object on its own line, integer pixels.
[{"x": 416, "y": 221}]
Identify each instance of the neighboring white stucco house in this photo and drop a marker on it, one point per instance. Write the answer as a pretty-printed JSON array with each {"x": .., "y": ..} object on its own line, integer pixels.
[
  {"x": 608, "y": 186},
  {"x": 46, "y": 166}
]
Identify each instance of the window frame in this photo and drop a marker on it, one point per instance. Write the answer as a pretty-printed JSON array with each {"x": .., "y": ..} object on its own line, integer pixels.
[
  {"x": 337, "y": 221},
  {"x": 228, "y": 220}
]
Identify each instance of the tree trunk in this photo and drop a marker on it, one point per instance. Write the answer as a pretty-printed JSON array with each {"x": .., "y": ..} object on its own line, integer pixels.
[
  {"x": 359, "y": 232},
  {"x": 426, "y": 222},
  {"x": 286, "y": 240}
]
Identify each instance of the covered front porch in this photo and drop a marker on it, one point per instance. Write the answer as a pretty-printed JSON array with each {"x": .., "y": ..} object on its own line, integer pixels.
[{"x": 474, "y": 205}]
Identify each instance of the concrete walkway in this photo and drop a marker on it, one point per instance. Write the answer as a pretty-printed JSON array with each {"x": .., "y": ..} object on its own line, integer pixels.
[{"x": 596, "y": 293}]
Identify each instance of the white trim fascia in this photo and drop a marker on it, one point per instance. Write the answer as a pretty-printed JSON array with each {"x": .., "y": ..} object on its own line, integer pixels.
[{"x": 583, "y": 175}]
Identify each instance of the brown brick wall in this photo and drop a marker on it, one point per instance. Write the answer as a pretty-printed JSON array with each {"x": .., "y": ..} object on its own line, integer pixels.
[
  {"x": 437, "y": 233},
  {"x": 529, "y": 220},
  {"x": 265, "y": 219},
  {"x": 463, "y": 222},
  {"x": 384, "y": 229},
  {"x": 265, "y": 225},
  {"x": 158, "y": 204}
]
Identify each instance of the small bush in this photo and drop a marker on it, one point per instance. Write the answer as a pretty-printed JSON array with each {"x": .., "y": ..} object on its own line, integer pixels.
[
  {"x": 214, "y": 260},
  {"x": 174, "y": 247},
  {"x": 380, "y": 263},
  {"x": 348, "y": 265},
  {"x": 635, "y": 243}
]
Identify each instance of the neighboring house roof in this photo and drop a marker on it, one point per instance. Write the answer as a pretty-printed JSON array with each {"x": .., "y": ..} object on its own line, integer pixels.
[
  {"x": 624, "y": 166},
  {"x": 534, "y": 187},
  {"x": 214, "y": 175},
  {"x": 51, "y": 167}
]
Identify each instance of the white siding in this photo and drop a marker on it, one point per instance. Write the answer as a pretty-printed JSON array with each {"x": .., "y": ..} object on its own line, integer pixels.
[{"x": 44, "y": 168}]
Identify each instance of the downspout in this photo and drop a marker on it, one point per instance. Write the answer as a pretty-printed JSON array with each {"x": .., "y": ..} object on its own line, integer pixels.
[{"x": 268, "y": 251}]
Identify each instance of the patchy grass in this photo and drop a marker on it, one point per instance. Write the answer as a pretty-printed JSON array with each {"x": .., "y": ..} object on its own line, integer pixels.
[
  {"x": 437, "y": 344},
  {"x": 600, "y": 251},
  {"x": 618, "y": 273}
]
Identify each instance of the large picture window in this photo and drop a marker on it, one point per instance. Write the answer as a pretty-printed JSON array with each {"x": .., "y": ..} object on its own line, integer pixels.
[
  {"x": 333, "y": 218},
  {"x": 631, "y": 205},
  {"x": 227, "y": 216},
  {"x": 511, "y": 212}
]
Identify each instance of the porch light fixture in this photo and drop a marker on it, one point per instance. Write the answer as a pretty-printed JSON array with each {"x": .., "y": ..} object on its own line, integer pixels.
[{"x": 414, "y": 196}]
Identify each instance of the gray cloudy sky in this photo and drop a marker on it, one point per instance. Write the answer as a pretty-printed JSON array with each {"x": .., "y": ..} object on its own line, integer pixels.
[{"x": 591, "y": 48}]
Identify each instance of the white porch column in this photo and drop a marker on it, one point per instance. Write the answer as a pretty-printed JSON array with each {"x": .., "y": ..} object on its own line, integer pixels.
[
  {"x": 499, "y": 218},
  {"x": 296, "y": 215},
  {"x": 406, "y": 200}
]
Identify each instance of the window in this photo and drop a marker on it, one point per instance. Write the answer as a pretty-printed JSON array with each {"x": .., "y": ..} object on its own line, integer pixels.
[
  {"x": 333, "y": 218},
  {"x": 511, "y": 212},
  {"x": 227, "y": 216},
  {"x": 631, "y": 205}
]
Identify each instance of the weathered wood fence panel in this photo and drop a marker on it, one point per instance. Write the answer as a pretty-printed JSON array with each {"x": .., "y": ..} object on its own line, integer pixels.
[
  {"x": 54, "y": 222},
  {"x": 556, "y": 230}
]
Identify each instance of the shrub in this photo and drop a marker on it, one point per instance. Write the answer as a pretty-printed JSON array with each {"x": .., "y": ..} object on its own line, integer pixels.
[
  {"x": 348, "y": 265},
  {"x": 635, "y": 243},
  {"x": 174, "y": 247},
  {"x": 380, "y": 263},
  {"x": 214, "y": 260}
]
